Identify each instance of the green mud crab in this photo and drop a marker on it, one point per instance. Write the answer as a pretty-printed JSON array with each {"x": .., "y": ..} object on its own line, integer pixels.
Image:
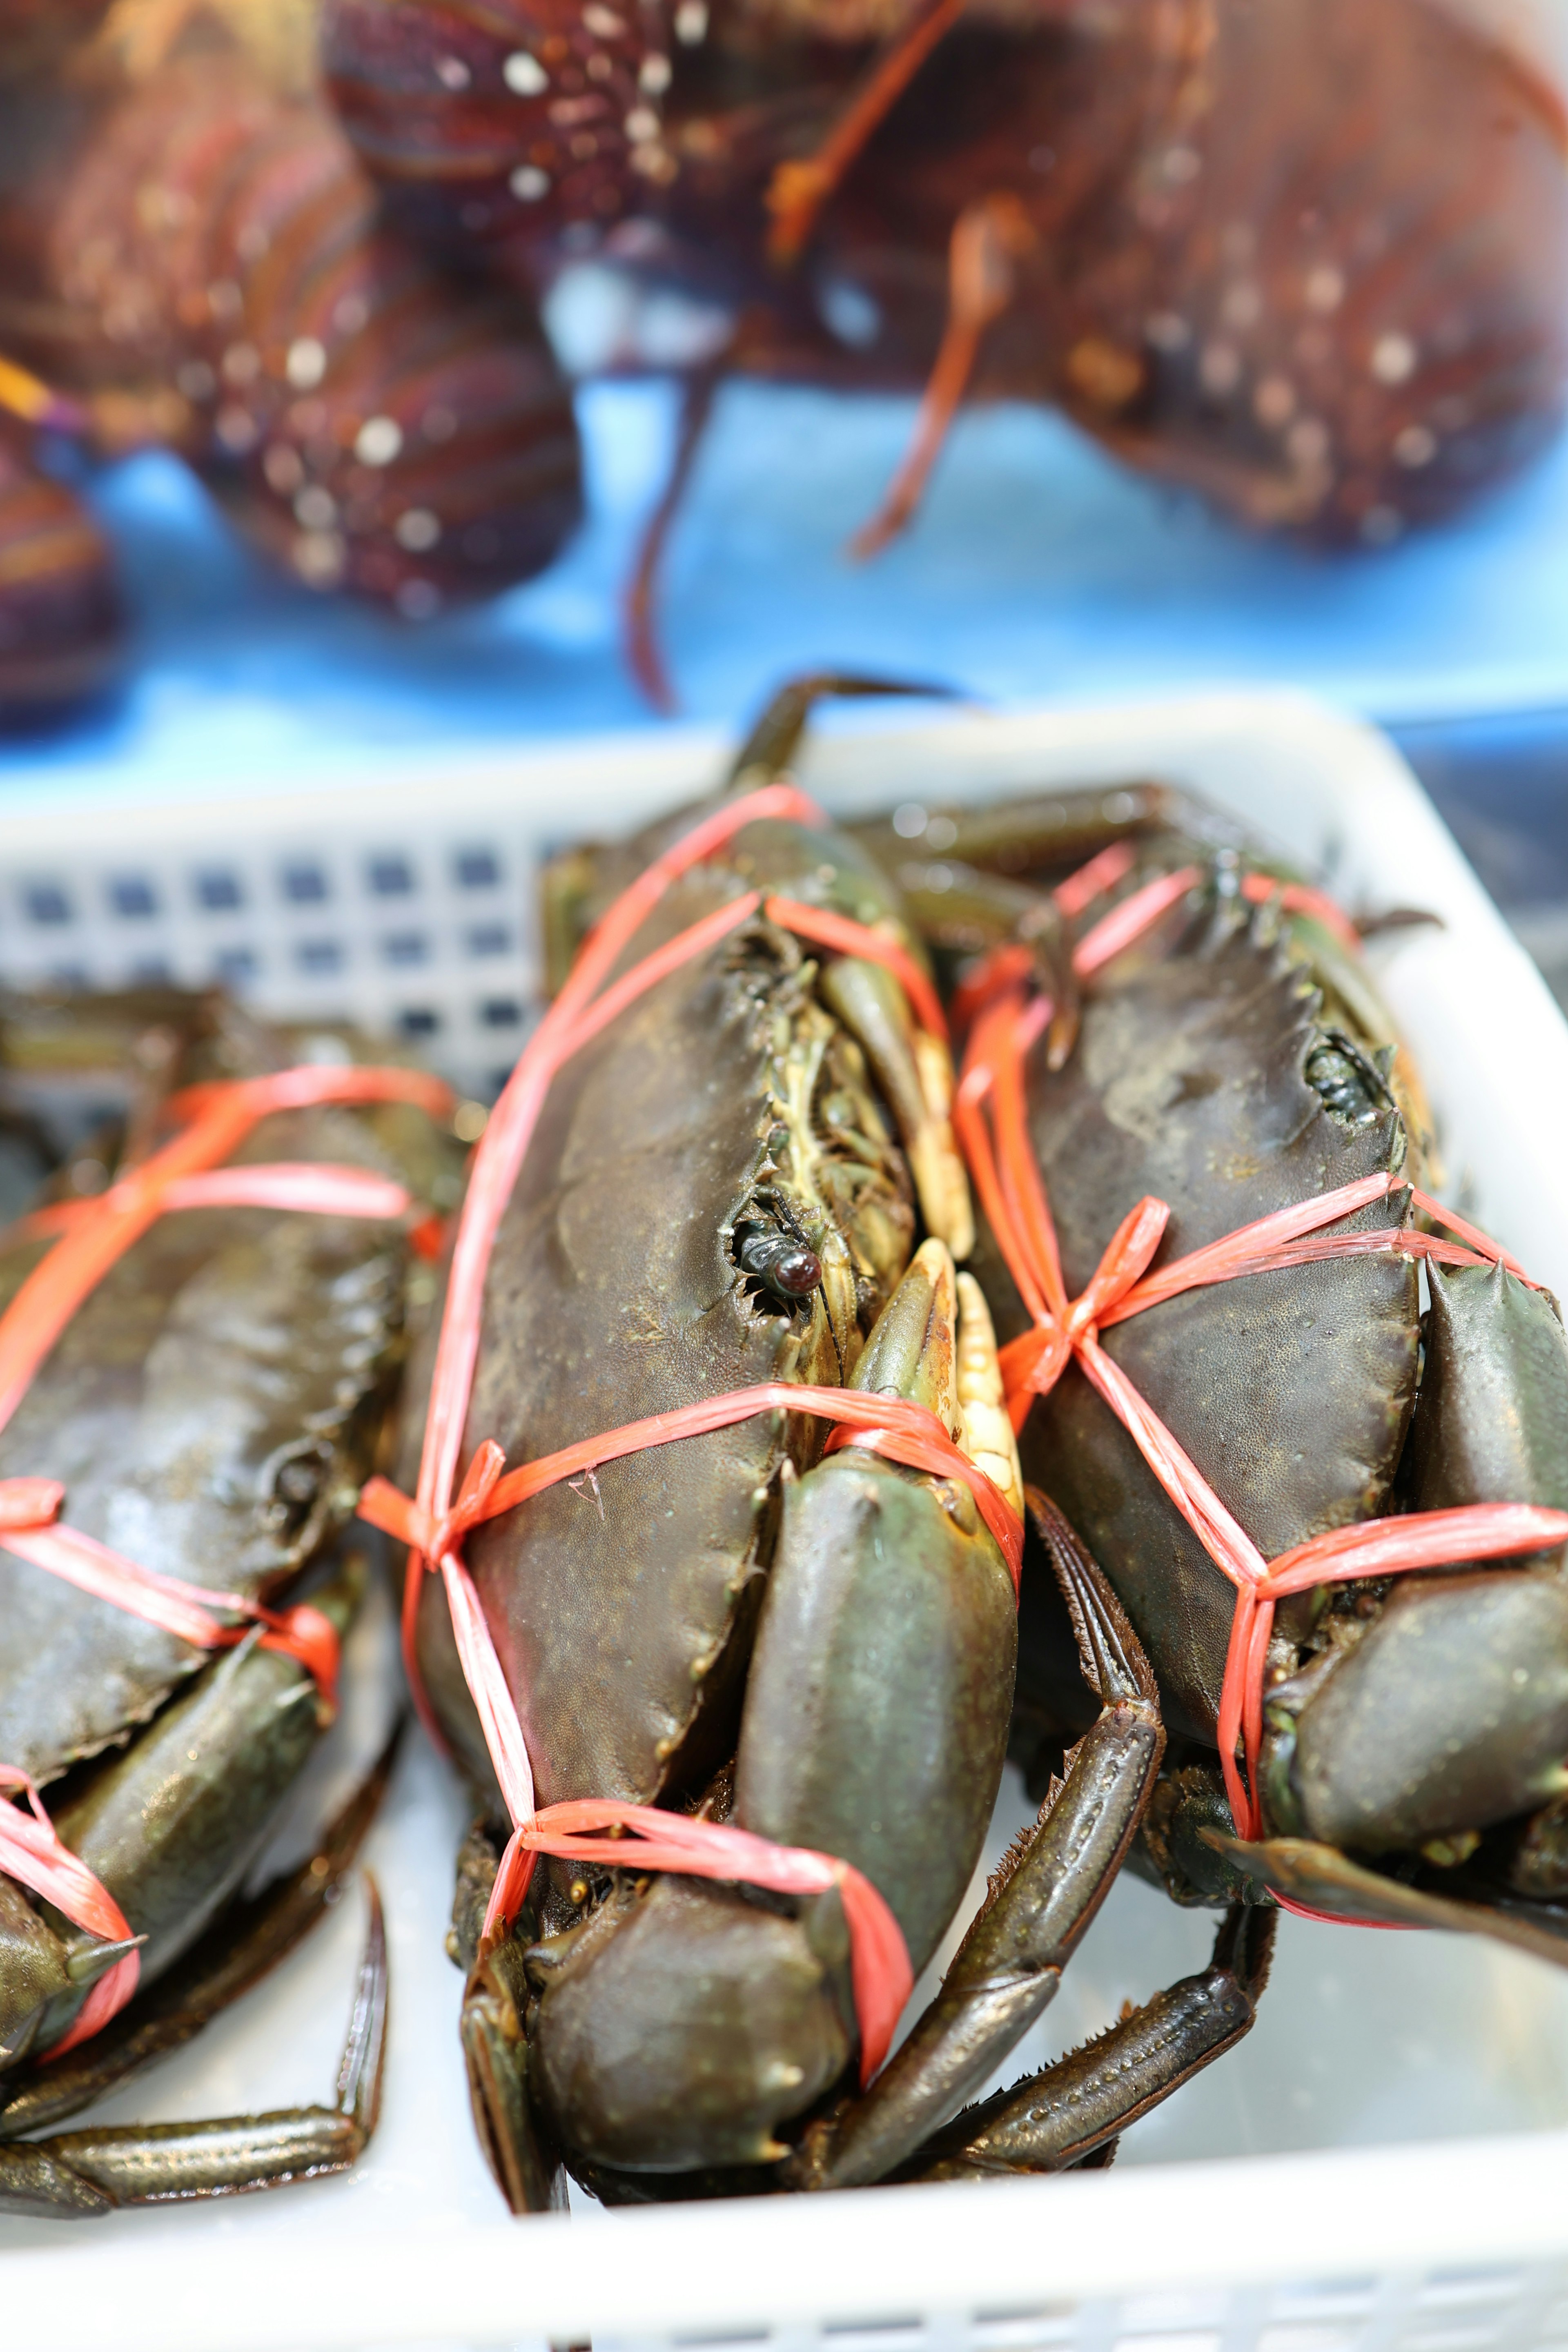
[
  {"x": 1233, "y": 1060},
  {"x": 208, "y": 1408},
  {"x": 745, "y": 1630}
]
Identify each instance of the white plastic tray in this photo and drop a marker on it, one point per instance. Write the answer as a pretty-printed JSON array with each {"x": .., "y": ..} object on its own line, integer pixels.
[{"x": 1381, "y": 2164}]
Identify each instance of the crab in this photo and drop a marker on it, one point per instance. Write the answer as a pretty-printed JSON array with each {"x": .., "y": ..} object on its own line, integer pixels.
[
  {"x": 1230, "y": 1059},
  {"x": 204, "y": 1414}
]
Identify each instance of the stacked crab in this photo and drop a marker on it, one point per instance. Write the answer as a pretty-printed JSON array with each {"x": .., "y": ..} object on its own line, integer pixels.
[
  {"x": 725, "y": 1583},
  {"x": 1271, "y": 1668}
]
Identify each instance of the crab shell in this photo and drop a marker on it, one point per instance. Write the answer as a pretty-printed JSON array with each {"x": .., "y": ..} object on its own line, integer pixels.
[
  {"x": 678, "y": 2025},
  {"x": 210, "y": 1410},
  {"x": 1292, "y": 1390},
  {"x": 1411, "y": 1718}
]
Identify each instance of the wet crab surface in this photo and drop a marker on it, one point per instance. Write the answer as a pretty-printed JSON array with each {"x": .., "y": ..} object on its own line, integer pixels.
[{"x": 209, "y": 1410}]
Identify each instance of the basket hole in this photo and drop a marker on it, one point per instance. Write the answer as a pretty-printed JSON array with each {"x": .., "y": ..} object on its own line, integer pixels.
[
  {"x": 419, "y": 1021},
  {"x": 134, "y": 897},
  {"x": 47, "y": 903},
  {"x": 476, "y": 869},
  {"x": 218, "y": 890},
  {"x": 390, "y": 877},
  {"x": 489, "y": 939},
  {"x": 304, "y": 885},
  {"x": 318, "y": 955},
  {"x": 405, "y": 947},
  {"x": 500, "y": 1012}
]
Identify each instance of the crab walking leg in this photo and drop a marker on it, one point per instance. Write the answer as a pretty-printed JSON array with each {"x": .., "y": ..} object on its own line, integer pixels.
[
  {"x": 913, "y": 1070},
  {"x": 525, "y": 2165},
  {"x": 250, "y": 1939},
  {"x": 1060, "y": 2117},
  {"x": 775, "y": 736},
  {"x": 1040, "y": 1903},
  {"x": 917, "y": 1080},
  {"x": 80, "y": 2173}
]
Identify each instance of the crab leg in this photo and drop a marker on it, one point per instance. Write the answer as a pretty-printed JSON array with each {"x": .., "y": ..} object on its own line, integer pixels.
[
  {"x": 250, "y": 1939},
  {"x": 524, "y": 2163},
  {"x": 1064, "y": 2114},
  {"x": 84, "y": 2173},
  {"x": 1048, "y": 1888}
]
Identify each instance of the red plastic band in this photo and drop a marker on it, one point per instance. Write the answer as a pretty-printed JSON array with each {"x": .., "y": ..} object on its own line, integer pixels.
[
  {"x": 893, "y": 1426},
  {"x": 1301, "y": 899},
  {"x": 1108, "y": 867},
  {"x": 92, "y": 1236},
  {"x": 991, "y": 1122},
  {"x": 32, "y": 1853},
  {"x": 878, "y": 1957},
  {"x": 829, "y": 929},
  {"x": 317, "y": 1186},
  {"x": 1130, "y": 919},
  {"x": 433, "y": 1523}
]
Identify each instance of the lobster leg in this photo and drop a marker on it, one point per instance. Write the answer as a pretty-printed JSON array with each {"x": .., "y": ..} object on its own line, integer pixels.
[
  {"x": 989, "y": 239},
  {"x": 1047, "y": 1890},
  {"x": 84, "y": 2173},
  {"x": 1070, "y": 2112}
]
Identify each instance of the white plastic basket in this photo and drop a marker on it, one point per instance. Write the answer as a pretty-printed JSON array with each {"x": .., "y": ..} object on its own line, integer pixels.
[{"x": 1383, "y": 2164}]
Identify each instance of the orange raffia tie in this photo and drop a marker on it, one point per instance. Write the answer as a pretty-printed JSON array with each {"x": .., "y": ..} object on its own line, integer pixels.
[
  {"x": 434, "y": 1524},
  {"x": 1301, "y": 899},
  {"x": 1130, "y": 919},
  {"x": 989, "y": 1115},
  {"x": 91, "y": 1236},
  {"x": 32, "y": 1853}
]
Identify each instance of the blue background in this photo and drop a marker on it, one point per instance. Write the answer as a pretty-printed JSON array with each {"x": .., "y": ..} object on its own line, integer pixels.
[{"x": 1038, "y": 571}]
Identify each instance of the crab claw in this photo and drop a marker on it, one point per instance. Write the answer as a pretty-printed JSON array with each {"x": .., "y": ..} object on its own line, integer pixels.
[{"x": 684, "y": 2024}]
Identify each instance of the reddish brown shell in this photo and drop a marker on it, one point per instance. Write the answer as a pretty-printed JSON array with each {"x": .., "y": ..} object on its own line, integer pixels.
[
  {"x": 384, "y": 426},
  {"x": 511, "y": 115},
  {"x": 1307, "y": 257}
]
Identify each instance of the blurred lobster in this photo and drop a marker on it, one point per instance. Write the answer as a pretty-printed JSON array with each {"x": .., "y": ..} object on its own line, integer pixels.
[
  {"x": 1303, "y": 259},
  {"x": 192, "y": 256}
]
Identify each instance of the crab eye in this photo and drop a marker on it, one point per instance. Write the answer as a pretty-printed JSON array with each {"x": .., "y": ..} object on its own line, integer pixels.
[
  {"x": 790, "y": 1269},
  {"x": 797, "y": 1272}
]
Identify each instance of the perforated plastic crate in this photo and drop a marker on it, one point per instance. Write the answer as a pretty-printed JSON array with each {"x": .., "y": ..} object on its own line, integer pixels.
[{"x": 1382, "y": 2166}]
